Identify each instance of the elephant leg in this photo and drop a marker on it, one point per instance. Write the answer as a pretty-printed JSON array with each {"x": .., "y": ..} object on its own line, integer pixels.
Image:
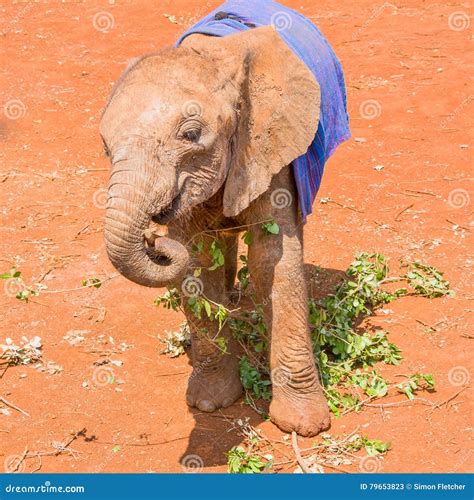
[
  {"x": 214, "y": 382},
  {"x": 277, "y": 273}
]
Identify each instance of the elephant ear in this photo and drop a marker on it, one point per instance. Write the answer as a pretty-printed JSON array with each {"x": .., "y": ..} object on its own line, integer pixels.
[{"x": 279, "y": 114}]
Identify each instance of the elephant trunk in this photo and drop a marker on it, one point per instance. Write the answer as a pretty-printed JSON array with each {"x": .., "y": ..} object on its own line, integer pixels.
[{"x": 130, "y": 209}]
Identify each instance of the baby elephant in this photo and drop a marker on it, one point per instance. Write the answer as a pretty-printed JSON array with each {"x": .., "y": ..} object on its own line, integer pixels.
[{"x": 203, "y": 139}]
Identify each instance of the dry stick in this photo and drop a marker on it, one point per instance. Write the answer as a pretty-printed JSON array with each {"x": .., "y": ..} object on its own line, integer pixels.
[
  {"x": 226, "y": 229},
  {"x": 21, "y": 460},
  {"x": 401, "y": 403},
  {"x": 351, "y": 434},
  {"x": 438, "y": 405},
  {"x": 39, "y": 465},
  {"x": 100, "y": 282},
  {"x": 336, "y": 468},
  {"x": 11, "y": 405},
  {"x": 73, "y": 438},
  {"x": 426, "y": 324},
  {"x": 420, "y": 192},
  {"x": 61, "y": 448},
  {"x": 403, "y": 211},
  {"x": 144, "y": 444},
  {"x": 7, "y": 365},
  {"x": 302, "y": 463},
  {"x": 170, "y": 374},
  {"x": 461, "y": 227},
  {"x": 345, "y": 206}
]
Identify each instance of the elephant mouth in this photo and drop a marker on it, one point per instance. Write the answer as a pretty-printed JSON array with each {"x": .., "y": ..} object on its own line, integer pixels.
[
  {"x": 168, "y": 213},
  {"x": 176, "y": 209}
]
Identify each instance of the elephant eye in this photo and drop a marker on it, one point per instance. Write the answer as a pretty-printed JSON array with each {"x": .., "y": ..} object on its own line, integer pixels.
[{"x": 191, "y": 135}]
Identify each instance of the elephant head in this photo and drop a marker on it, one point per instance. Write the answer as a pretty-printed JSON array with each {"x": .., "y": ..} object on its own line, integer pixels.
[{"x": 214, "y": 114}]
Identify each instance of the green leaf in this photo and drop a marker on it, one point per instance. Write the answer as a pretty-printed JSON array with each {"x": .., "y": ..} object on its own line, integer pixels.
[
  {"x": 217, "y": 256},
  {"x": 207, "y": 307},
  {"x": 95, "y": 282},
  {"x": 271, "y": 227},
  {"x": 247, "y": 237}
]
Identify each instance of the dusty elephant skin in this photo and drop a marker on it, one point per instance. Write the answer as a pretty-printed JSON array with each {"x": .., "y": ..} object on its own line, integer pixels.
[{"x": 200, "y": 138}]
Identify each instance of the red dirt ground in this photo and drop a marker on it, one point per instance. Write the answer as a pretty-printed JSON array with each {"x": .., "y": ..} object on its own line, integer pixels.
[{"x": 57, "y": 70}]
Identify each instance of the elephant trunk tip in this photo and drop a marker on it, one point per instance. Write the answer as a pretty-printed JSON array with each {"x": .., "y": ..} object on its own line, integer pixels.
[{"x": 153, "y": 260}]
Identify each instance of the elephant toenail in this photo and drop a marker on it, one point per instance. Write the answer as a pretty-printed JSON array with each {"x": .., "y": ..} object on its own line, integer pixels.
[
  {"x": 206, "y": 405},
  {"x": 190, "y": 400}
]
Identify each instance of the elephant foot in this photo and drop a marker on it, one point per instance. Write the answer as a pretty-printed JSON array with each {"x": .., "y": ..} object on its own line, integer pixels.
[
  {"x": 219, "y": 388},
  {"x": 307, "y": 414}
]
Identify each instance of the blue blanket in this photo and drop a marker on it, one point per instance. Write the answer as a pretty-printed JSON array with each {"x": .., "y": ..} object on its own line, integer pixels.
[{"x": 308, "y": 43}]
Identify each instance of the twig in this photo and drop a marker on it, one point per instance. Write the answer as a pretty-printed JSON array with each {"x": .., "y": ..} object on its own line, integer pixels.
[
  {"x": 11, "y": 405},
  {"x": 345, "y": 206},
  {"x": 20, "y": 460},
  {"x": 39, "y": 465},
  {"x": 74, "y": 436},
  {"x": 401, "y": 403},
  {"x": 426, "y": 324},
  {"x": 350, "y": 435},
  {"x": 429, "y": 193},
  {"x": 446, "y": 401},
  {"x": 325, "y": 464},
  {"x": 144, "y": 444},
  {"x": 403, "y": 211},
  {"x": 227, "y": 229},
  {"x": 301, "y": 462},
  {"x": 94, "y": 284},
  {"x": 82, "y": 230},
  {"x": 454, "y": 224}
]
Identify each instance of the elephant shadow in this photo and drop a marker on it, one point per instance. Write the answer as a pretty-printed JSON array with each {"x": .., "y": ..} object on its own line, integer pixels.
[{"x": 216, "y": 433}]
